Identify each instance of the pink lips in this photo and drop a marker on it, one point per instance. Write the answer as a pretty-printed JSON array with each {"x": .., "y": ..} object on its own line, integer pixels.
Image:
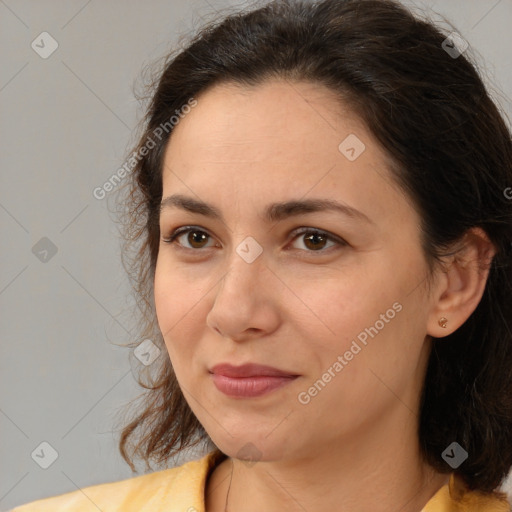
[{"x": 249, "y": 380}]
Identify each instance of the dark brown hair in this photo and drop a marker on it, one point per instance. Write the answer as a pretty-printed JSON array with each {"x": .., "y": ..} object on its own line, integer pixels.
[{"x": 452, "y": 155}]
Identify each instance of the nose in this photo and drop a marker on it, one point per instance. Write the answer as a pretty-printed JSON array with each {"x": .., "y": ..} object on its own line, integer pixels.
[{"x": 246, "y": 301}]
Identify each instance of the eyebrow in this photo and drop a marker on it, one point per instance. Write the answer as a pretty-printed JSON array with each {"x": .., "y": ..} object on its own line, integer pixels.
[{"x": 273, "y": 212}]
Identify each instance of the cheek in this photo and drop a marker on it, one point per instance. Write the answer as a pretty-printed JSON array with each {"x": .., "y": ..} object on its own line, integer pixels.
[
  {"x": 363, "y": 316},
  {"x": 340, "y": 306},
  {"x": 176, "y": 303},
  {"x": 327, "y": 319}
]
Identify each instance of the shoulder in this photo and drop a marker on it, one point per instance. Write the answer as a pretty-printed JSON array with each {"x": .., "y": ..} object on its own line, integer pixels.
[
  {"x": 179, "y": 488},
  {"x": 456, "y": 497}
]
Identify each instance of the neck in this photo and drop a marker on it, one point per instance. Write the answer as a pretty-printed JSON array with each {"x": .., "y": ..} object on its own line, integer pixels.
[{"x": 382, "y": 473}]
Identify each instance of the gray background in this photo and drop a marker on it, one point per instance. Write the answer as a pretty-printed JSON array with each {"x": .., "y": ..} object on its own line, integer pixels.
[{"x": 66, "y": 123}]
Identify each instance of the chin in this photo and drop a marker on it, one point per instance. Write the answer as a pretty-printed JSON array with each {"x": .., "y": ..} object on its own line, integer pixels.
[{"x": 252, "y": 448}]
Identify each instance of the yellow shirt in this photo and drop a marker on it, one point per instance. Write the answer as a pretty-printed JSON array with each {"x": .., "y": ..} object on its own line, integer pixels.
[{"x": 181, "y": 489}]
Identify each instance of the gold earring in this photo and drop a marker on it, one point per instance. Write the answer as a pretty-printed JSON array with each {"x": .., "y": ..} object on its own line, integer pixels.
[{"x": 443, "y": 321}]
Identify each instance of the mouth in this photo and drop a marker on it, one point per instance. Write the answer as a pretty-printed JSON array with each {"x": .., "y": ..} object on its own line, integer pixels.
[{"x": 249, "y": 380}]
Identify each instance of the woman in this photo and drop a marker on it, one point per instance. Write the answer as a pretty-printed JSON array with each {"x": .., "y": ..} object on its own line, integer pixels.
[{"x": 321, "y": 210}]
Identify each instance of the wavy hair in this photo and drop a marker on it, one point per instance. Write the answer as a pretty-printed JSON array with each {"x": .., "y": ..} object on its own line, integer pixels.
[{"x": 451, "y": 152}]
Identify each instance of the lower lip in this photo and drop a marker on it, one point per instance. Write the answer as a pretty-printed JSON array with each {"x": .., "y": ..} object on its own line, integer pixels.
[{"x": 246, "y": 387}]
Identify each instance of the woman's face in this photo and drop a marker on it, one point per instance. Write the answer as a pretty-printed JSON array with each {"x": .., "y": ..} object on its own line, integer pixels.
[{"x": 342, "y": 313}]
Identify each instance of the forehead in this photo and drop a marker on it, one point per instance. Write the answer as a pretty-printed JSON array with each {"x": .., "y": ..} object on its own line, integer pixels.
[
  {"x": 278, "y": 137},
  {"x": 263, "y": 121}
]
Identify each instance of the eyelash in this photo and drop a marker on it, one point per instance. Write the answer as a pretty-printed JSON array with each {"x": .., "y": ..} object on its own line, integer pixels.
[{"x": 297, "y": 233}]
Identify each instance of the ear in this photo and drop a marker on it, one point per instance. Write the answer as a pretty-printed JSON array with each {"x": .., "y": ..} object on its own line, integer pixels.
[{"x": 461, "y": 284}]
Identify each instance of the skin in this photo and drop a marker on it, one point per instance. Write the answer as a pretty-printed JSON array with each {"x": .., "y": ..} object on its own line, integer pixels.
[{"x": 301, "y": 303}]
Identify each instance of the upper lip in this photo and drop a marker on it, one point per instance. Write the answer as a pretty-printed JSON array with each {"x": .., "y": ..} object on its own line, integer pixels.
[{"x": 249, "y": 370}]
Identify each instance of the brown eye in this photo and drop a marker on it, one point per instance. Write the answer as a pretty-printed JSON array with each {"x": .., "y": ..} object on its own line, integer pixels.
[
  {"x": 315, "y": 240},
  {"x": 192, "y": 238},
  {"x": 196, "y": 237}
]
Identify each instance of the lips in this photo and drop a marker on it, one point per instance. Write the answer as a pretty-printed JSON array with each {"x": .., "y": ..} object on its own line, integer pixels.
[
  {"x": 249, "y": 370},
  {"x": 249, "y": 380}
]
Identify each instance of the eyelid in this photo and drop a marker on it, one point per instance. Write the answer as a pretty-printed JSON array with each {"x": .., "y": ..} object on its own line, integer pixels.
[
  {"x": 340, "y": 242},
  {"x": 183, "y": 230}
]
